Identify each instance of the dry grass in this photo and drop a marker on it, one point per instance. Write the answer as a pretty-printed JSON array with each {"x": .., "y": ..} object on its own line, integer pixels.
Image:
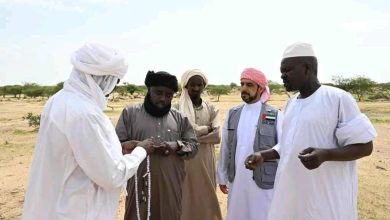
[{"x": 17, "y": 144}]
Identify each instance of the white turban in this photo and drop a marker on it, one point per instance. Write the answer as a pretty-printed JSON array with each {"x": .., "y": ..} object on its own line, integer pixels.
[
  {"x": 99, "y": 60},
  {"x": 96, "y": 71},
  {"x": 299, "y": 49},
  {"x": 185, "y": 103}
]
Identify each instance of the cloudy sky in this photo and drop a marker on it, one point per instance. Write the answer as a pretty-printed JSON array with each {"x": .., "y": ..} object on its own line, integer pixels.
[{"x": 221, "y": 37}]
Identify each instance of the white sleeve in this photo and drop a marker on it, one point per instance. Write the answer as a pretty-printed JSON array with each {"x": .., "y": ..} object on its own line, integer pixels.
[
  {"x": 97, "y": 150},
  {"x": 222, "y": 177},
  {"x": 353, "y": 127},
  {"x": 279, "y": 125}
]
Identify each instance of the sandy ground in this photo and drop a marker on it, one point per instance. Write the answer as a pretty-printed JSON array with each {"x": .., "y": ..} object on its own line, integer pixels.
[{"x": 17, "y": 146}]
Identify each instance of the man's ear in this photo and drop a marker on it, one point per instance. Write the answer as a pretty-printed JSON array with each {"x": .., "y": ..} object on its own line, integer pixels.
[
  {"x": 309, "y": 68},
  {"x": 260, "y": 89}
]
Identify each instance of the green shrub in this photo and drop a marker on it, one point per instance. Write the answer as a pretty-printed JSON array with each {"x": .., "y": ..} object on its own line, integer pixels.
[{"x": 33, "y": 120}]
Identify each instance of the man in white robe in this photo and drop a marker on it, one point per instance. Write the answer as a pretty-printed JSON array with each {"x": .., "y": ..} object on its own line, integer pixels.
[
  {"x": 324, "y": 133},
  {"x": 78, "y": 168},
  {"x": 248, "y": 198}
]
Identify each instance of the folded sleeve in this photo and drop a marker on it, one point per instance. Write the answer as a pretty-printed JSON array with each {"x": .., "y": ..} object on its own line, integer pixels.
[{"x": 353, "y": 127}]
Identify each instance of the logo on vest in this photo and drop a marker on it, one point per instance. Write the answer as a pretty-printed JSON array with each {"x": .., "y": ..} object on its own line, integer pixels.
[{"x": 268, "y": 118}]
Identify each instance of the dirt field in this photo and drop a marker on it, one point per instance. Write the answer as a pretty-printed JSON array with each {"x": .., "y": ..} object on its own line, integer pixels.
[{"x": 17, "y": 146}]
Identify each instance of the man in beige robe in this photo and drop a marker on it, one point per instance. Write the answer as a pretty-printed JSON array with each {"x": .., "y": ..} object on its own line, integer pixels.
[
  {"x": 174, "y": 141},
  {"x": 199, "y": 198}
]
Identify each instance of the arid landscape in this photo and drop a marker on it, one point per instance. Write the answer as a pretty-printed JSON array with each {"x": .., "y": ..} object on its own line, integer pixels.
[{"x": 17, "y": 146}]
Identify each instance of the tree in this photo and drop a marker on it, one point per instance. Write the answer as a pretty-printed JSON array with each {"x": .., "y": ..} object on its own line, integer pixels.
[
  {"x": 121, "y": 90},
  {"x": 341, "y": 83},
  {"x": 130, "y": 88},
  {"x": 359, "y": 85},
  {"x": 2, "y": 91},
  {"x": 33, "y": 90},
  {"x": 58, "y": 87},
  {"x": 275, "y": 87},
  {"x": 142, "y": 89},
  {"x": 13, "y": 90},
  {"x": 233, "y": 85},
  {"x": 218, "y": 90}
]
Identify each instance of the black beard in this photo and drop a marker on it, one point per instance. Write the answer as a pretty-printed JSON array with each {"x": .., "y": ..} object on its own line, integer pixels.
[{"x": 154, "y": 110}]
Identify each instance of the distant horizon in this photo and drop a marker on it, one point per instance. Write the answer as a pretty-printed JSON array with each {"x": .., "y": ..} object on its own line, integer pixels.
[
  {"x": 210, "y": 83},
  {"x": 220, "y": 37}
]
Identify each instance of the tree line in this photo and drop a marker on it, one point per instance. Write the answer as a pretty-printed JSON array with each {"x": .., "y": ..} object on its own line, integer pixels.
[{"x": 362, "y": 87}]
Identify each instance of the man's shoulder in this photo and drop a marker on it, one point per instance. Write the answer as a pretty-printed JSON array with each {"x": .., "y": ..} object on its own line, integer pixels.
[
  {"x": 335, "y": 94},
  {"x": 209, "y": 105},
  {"x": 73, "y": 105},
  {"x": 133, "y": 107},
  {"x": 176, "y": 113},
  {"x": 332, "y": 89},
  {"x": 237, "y": 107}
]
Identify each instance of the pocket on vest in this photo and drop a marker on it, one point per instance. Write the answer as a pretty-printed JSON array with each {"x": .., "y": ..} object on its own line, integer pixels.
[
  {"x": 268, "y": 172},
  {"x": 267, "y": 137}
]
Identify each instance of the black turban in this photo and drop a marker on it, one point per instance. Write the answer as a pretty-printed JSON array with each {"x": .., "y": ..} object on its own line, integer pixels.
[{"x": 161, "y": 78}]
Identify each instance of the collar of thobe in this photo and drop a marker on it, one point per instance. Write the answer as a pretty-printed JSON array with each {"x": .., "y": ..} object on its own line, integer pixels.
[{"x": 254, "y": 105}]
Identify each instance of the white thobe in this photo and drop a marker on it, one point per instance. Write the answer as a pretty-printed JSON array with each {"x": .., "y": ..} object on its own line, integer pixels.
[
  {"x": 245, "y": 199},
  {"x": 329, "y": 118},
  {"x": 78, "y": 169}
]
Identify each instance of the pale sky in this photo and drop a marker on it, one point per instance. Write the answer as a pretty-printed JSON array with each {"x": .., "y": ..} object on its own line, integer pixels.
[{"x": 221, "y": 37}]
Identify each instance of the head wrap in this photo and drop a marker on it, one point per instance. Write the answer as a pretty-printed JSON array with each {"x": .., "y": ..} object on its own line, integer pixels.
[
  {"x": 299, "y": 49},
  {"x": 161, "y": 78},
  {"x": 99, "y": 60},
  {"x": 259, "y": 78},
  {"x": 96, "y": 71},
  {"x": 185, "y": 103}
]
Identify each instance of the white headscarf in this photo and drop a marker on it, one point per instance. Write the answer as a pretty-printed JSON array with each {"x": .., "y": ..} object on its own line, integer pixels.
[
  {"x": 96, "y": 71},
  {"x": 185, "y": 103}
]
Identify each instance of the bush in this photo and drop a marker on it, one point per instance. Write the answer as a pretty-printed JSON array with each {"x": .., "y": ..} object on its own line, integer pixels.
[
  {"x": 218, "y": 90},
  {"x": 33, "y": 120}
]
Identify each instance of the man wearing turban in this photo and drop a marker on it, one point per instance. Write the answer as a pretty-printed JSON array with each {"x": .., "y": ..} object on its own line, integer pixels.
[
  {"x": 249, "y": 128},
  {"x": 156, "y": 191},
  {"x": 199, "y": 197},
  {"x": 78, "y": 168},
  {"x": 324, "y": 133}
]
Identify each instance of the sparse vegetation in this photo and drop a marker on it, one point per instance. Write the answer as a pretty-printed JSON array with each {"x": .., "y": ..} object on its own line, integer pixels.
[
  {"x": 33, "y": 120},
  {"x": 17, "y": 141}
]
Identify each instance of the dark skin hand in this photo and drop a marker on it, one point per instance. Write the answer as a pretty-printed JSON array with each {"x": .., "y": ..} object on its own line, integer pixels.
[
  {"x": 128, "y": 146},
  {"x": 166, "y": 148},
  {"x": 312, "y": 158},
  {"x": 256, "y": 159},
  {"x": 224, "y": 189}
]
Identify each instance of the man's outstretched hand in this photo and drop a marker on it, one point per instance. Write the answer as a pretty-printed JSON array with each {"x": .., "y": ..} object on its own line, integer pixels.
[
  {"x": 128, "y": 146},
  {"x": 312, "y": 158},
  {"x": 224, "y": 189},
  {"x": 254, "y": 160},
  {"x": 147, "y": 144}
]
